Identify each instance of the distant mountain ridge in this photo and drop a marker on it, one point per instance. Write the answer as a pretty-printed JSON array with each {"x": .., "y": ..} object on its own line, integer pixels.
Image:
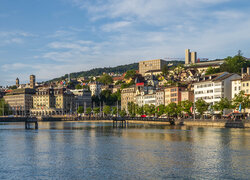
[{"x": 99, "y": 71}]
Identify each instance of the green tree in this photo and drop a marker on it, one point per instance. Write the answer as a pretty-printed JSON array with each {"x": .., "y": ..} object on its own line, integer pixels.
[
  {"x": 146, "y": 109},
  {"x": 114, "y": 110},
  {"x": 201, "y": 106},
  {"x": 224, "y": 103},
  {"x": 78, "y": 86},
  {"x": 211, "y": 70},
  {"x": 130, "y": 74},
  {"x": 139, "y": 110},
  {"x": 172, "y": 109},
  {"x": 152, "y": 110},
  {"x": 4, "y": 108},
  {"x": 122, "y": 113},
  {"x": 80, "y": 110},
  {"x": 13, "y": 87},
  {"x": 106, "y": 79},
  {"x": 131, "y": 108},
  {"x": 165, "y": 70},
  {"x": 186, "y": 106},
  {"x": 88, "y": 110},
  {"x": 234, "y": 64},
  {"x": 106, "y": 110},
  {"x": 242, "y": 99},
  {"x": 96, "y": 110},
  {"x": 160, "y": 110}
]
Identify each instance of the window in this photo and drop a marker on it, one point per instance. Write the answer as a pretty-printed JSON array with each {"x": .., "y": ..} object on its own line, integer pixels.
[
  {"x": 235, "y": 88},
  {"x": 243, "y": 84},
  {"x": 247, "y": 84}
]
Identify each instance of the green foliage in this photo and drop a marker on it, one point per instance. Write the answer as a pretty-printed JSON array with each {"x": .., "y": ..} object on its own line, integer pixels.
[
  {"x": 131, "y": 108},
  {"x": 114, "y": 110},
  {"x": 130, "y": 74},
  {"x": 4, "y": 108},
  {"x": 122, "y": 113},
  {"x": 234, "y": 64},
  {"x": 139, "y": 110},
  {"x": 109, "y": 98},
  {"x": 88, "y": 110},
  {"x": 149, "y": 109},
  {"x": 125, "y": 85},
  {"x": 242, "y": 99},
  {"x": 160, "y": 110},
  {"x": 201, "y": 106},
  {"x": 106, "y": 79},
  {"x": 106, "y": 110},
  {"x": 170, "y": 109},
  {"x": 96, "y": 110},
  {"x": 118, "y": 82},
  {"x": 224, "y": 103},
  {"x": 211, "y": 70},
  {"x": 165, "y": 70},
  {"x": 186, "y": 105},
  {"x": 13, "y": 87},
  {"x": 80, "y": 110},
  {"x": 78, "y": 86}
]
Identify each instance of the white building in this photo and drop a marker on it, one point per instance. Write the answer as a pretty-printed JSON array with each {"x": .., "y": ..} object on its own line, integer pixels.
[
  {"x": 160, "y": 97},
  {"x": 236, "y": 86},
  {"x": 95, "y": 88},
  {"x": 212, "y": 88}
]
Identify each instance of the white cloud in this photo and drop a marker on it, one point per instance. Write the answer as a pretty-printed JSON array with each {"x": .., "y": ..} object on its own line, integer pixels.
[{"x": 116, "y": 26}]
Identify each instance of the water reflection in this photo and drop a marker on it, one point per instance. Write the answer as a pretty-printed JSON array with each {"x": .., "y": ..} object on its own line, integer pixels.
[{"x": 91, "y": 150}]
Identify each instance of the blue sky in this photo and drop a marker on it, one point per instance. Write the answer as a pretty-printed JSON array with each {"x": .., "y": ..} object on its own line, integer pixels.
[{"x": 49, "y": 38}]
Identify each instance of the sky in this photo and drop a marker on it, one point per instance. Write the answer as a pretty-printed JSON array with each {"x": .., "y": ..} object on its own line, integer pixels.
[{"x": 50, "y": 38}]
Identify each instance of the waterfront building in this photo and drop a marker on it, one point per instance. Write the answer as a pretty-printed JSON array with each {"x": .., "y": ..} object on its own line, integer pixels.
[
  {"x": 155, "y": 65},
  {"x": 150, "y": 99},
  {"x": 236, "y": 86},
  {"x": 20, "y": 101},
  {"x": 160, "y": 97},
  {"x": 127, "y": 95},
  {"x": 212, "y": 88},
  {"x": 173, "y": 94},
  {"x": 82, "y": 97},
  {"x": 187, "y": 95},
  {"x": 53, "y": 101}
]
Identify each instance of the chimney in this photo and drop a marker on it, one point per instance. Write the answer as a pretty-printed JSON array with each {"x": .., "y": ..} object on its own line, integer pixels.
[
  {"x": 242, "y": 72},
  {"x": 248, "y": 70}
]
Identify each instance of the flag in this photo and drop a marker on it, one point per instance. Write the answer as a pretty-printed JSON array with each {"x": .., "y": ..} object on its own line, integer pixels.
[
  {"x": 191, "y": 108},
  {"x": 240, "y": 108}
]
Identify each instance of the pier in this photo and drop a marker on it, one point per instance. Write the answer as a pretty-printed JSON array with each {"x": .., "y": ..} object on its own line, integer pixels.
[{"x": 28, "y": 121}]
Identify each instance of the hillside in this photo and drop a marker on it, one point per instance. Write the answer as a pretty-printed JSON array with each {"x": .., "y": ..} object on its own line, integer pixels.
[{"x": 99, "y": 71}]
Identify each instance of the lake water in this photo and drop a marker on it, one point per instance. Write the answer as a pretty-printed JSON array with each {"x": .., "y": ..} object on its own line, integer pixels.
[{"x": 91, "y": 150}]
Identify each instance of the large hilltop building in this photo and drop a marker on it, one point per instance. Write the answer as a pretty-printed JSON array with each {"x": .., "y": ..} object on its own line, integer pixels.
[{"x": 151, "y": 65}]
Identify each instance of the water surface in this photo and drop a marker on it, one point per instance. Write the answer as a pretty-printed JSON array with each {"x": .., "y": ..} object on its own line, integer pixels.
[{"x": 91, "y": 150}]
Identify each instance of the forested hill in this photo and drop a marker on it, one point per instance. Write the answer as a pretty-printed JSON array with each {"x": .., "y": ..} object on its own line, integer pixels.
[{"x": 99, "y": 71}]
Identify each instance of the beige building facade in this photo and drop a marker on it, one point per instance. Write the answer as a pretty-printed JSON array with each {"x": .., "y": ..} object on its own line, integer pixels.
[
  {"x": 49, "y": 101},
  {"x": 151, "y": 65},
  {"x": 127, "y": 95},
  {"x": 20, "y": 101}
]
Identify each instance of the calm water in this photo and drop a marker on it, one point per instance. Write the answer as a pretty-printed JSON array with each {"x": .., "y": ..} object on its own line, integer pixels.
[{"x": 85, "y": 150}]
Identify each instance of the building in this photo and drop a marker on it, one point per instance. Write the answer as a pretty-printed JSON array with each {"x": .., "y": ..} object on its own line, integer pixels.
[
  {"x": 82, "y": 97},
  {"x": 190, "y": 57},
  {"x": 212, "y": 88},
  {"x": 17, "y": 82},
  {"x": 236, "y": 86},
  {"x": 155, "y": 65},
  {"x": 173, "y": 94},
  {"x": 32, "y": 81},
  {"x": 20, "y": 101},
  {"x": 95, "y": 88},
  {"x": 53, "y": 101},
  {"x": 128, "y": 95},
  {"x": 160, "y": 97}
]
